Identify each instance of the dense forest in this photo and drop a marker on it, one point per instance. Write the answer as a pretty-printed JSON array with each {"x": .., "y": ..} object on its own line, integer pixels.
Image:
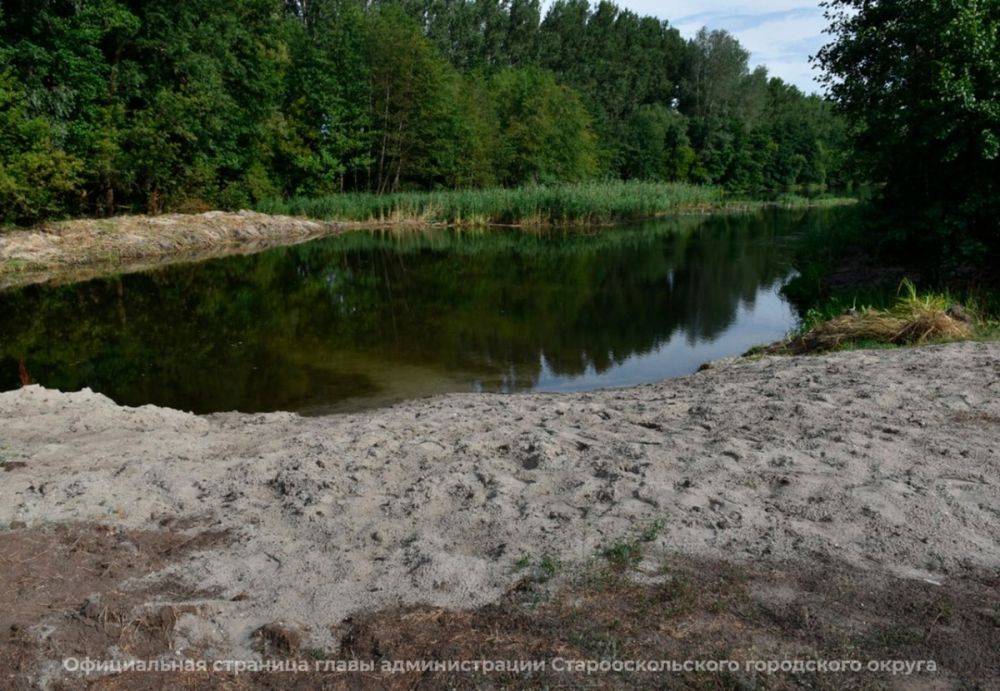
[{"x": 109, "y": 106}]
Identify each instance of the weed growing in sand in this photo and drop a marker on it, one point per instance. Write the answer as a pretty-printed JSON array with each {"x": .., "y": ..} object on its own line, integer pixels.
[
  {"x": 652, "y": 531},
  {"x": 6, "y": 455},
  {"x": 548, "y": 567},
  {"x": 600, "y": 644},
  {"x": 627, "y": 554},
  {"x": 623, "y": 555},
  {"x": 676, "y": 594},
  {"x": 543, "y": 571},
  {"x": 317, "y": 654}
]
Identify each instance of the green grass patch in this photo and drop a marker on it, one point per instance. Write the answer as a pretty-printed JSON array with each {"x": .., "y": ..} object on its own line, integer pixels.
[
  {"x": 548, "y": 567},
  {"x": 539, "y": 572},
  {"x": 624, "y": 555}
]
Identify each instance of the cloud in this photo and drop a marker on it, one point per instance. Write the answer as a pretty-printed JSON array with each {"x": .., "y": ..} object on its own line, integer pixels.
[
  {"x": 780, "y": 34},
  {"x": 684, "y": 8}
]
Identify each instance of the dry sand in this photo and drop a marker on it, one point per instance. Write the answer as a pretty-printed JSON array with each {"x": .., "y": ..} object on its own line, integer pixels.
[{"x": 886, "y": 460}]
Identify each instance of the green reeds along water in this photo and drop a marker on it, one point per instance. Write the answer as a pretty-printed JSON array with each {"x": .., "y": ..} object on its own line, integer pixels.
[
  {"x": 366, "y": 319},
  {"x": 598, "y": 202}
]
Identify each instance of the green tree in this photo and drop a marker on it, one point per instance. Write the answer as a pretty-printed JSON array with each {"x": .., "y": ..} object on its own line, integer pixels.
[
  {"x": 71, "y": 62},
  {"x": 153, "y": 105},
  {"x": 713, "y": 93},
  {"x": 412, "y": 106},
  {"x": 617, "y": 61},
  {"x": 521, "y": 44},
  {"x": 321, "y": 136},
  {"x": 657, "y": 146},
  {"x": 37, "y": 178},
  {"x": 716, "y": 70},
  {"x": 920, "y": 81},
  {"x": 545, "y": 131}
]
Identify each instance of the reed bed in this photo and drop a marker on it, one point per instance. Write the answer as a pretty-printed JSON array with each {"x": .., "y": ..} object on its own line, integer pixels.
[{"x": 592, "y": 203}]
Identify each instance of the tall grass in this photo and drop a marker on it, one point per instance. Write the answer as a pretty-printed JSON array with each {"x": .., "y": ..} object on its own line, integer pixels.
[
  {"x": 912, "y": 319},
  {"x": 599, "y": 202}
]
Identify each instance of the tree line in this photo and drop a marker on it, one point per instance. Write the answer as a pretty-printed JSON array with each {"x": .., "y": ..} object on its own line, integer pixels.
[{"x": 150, "y": 105}]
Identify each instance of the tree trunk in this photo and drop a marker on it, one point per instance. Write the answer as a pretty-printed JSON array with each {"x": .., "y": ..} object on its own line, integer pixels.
[
  {"x": 22, "y": 373},
  {"x": 153, "y": 207}
]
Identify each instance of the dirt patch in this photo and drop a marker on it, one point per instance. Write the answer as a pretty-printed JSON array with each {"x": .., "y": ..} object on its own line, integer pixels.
[
  {"x": 695, "y": 609},
  {"x": 78, "y": 590},
  {"x": 666, "y": 608},
  {"x": 976, "y": 417}
]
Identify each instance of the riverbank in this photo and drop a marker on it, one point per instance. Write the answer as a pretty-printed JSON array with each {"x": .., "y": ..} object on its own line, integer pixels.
[
  {"x": 80, "y": 249},
  {"x": 68, "y": 251},
  {"x": 799, "y": 489}
]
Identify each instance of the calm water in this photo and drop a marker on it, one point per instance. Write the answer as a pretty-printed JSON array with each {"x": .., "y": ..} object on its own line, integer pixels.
[{"x": 361, "y": 320}]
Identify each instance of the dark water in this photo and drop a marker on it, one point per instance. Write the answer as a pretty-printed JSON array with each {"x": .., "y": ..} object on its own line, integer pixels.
[{"x": 361, "y": 320}]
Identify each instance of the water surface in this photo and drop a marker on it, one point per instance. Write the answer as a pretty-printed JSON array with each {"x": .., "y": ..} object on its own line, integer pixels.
[{"x": 363, "y": 320}]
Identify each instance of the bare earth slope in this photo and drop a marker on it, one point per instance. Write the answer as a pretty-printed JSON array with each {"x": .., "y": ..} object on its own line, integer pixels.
[
  {"x": 79, "y": 249},
  {"x": 889, "y": 461}
]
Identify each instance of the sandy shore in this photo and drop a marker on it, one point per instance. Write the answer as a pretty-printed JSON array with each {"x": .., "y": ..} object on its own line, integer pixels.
[
  {"x": 86, "y": 248},
  {"x": 888, "y": 461}
]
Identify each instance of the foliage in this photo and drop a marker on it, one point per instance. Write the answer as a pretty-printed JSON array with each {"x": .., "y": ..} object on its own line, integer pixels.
[
  {"x": 920, "y": 82},
  {"x": 657, "y": 145},
  {"x": 544, "y": 129},
  {"x": 36, "y": 177},
  {"x": 905, "y": 316},
  {"x": 111, "y": 106},
  {"x": 754, "y": 133}
]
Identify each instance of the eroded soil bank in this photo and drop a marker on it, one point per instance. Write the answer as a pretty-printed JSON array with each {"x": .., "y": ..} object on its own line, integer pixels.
[
  {"x": 86, "y": 248},
  {"x": 792, "y": 507}
]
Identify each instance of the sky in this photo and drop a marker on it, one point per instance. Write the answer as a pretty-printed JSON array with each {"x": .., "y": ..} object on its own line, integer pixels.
[{"x": 780, "y": 34}]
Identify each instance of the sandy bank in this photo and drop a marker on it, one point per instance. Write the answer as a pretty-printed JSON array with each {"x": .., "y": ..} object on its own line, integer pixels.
[
  {"x": 887, "y": 461},
  {"x": 81, "y": 249}
]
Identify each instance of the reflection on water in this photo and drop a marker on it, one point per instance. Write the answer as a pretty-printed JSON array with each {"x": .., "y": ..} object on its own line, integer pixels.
[{"x": 365, "y": 320}]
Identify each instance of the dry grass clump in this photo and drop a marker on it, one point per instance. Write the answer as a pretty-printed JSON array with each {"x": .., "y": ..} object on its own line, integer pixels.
[{"x": 914, "y": 319}]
